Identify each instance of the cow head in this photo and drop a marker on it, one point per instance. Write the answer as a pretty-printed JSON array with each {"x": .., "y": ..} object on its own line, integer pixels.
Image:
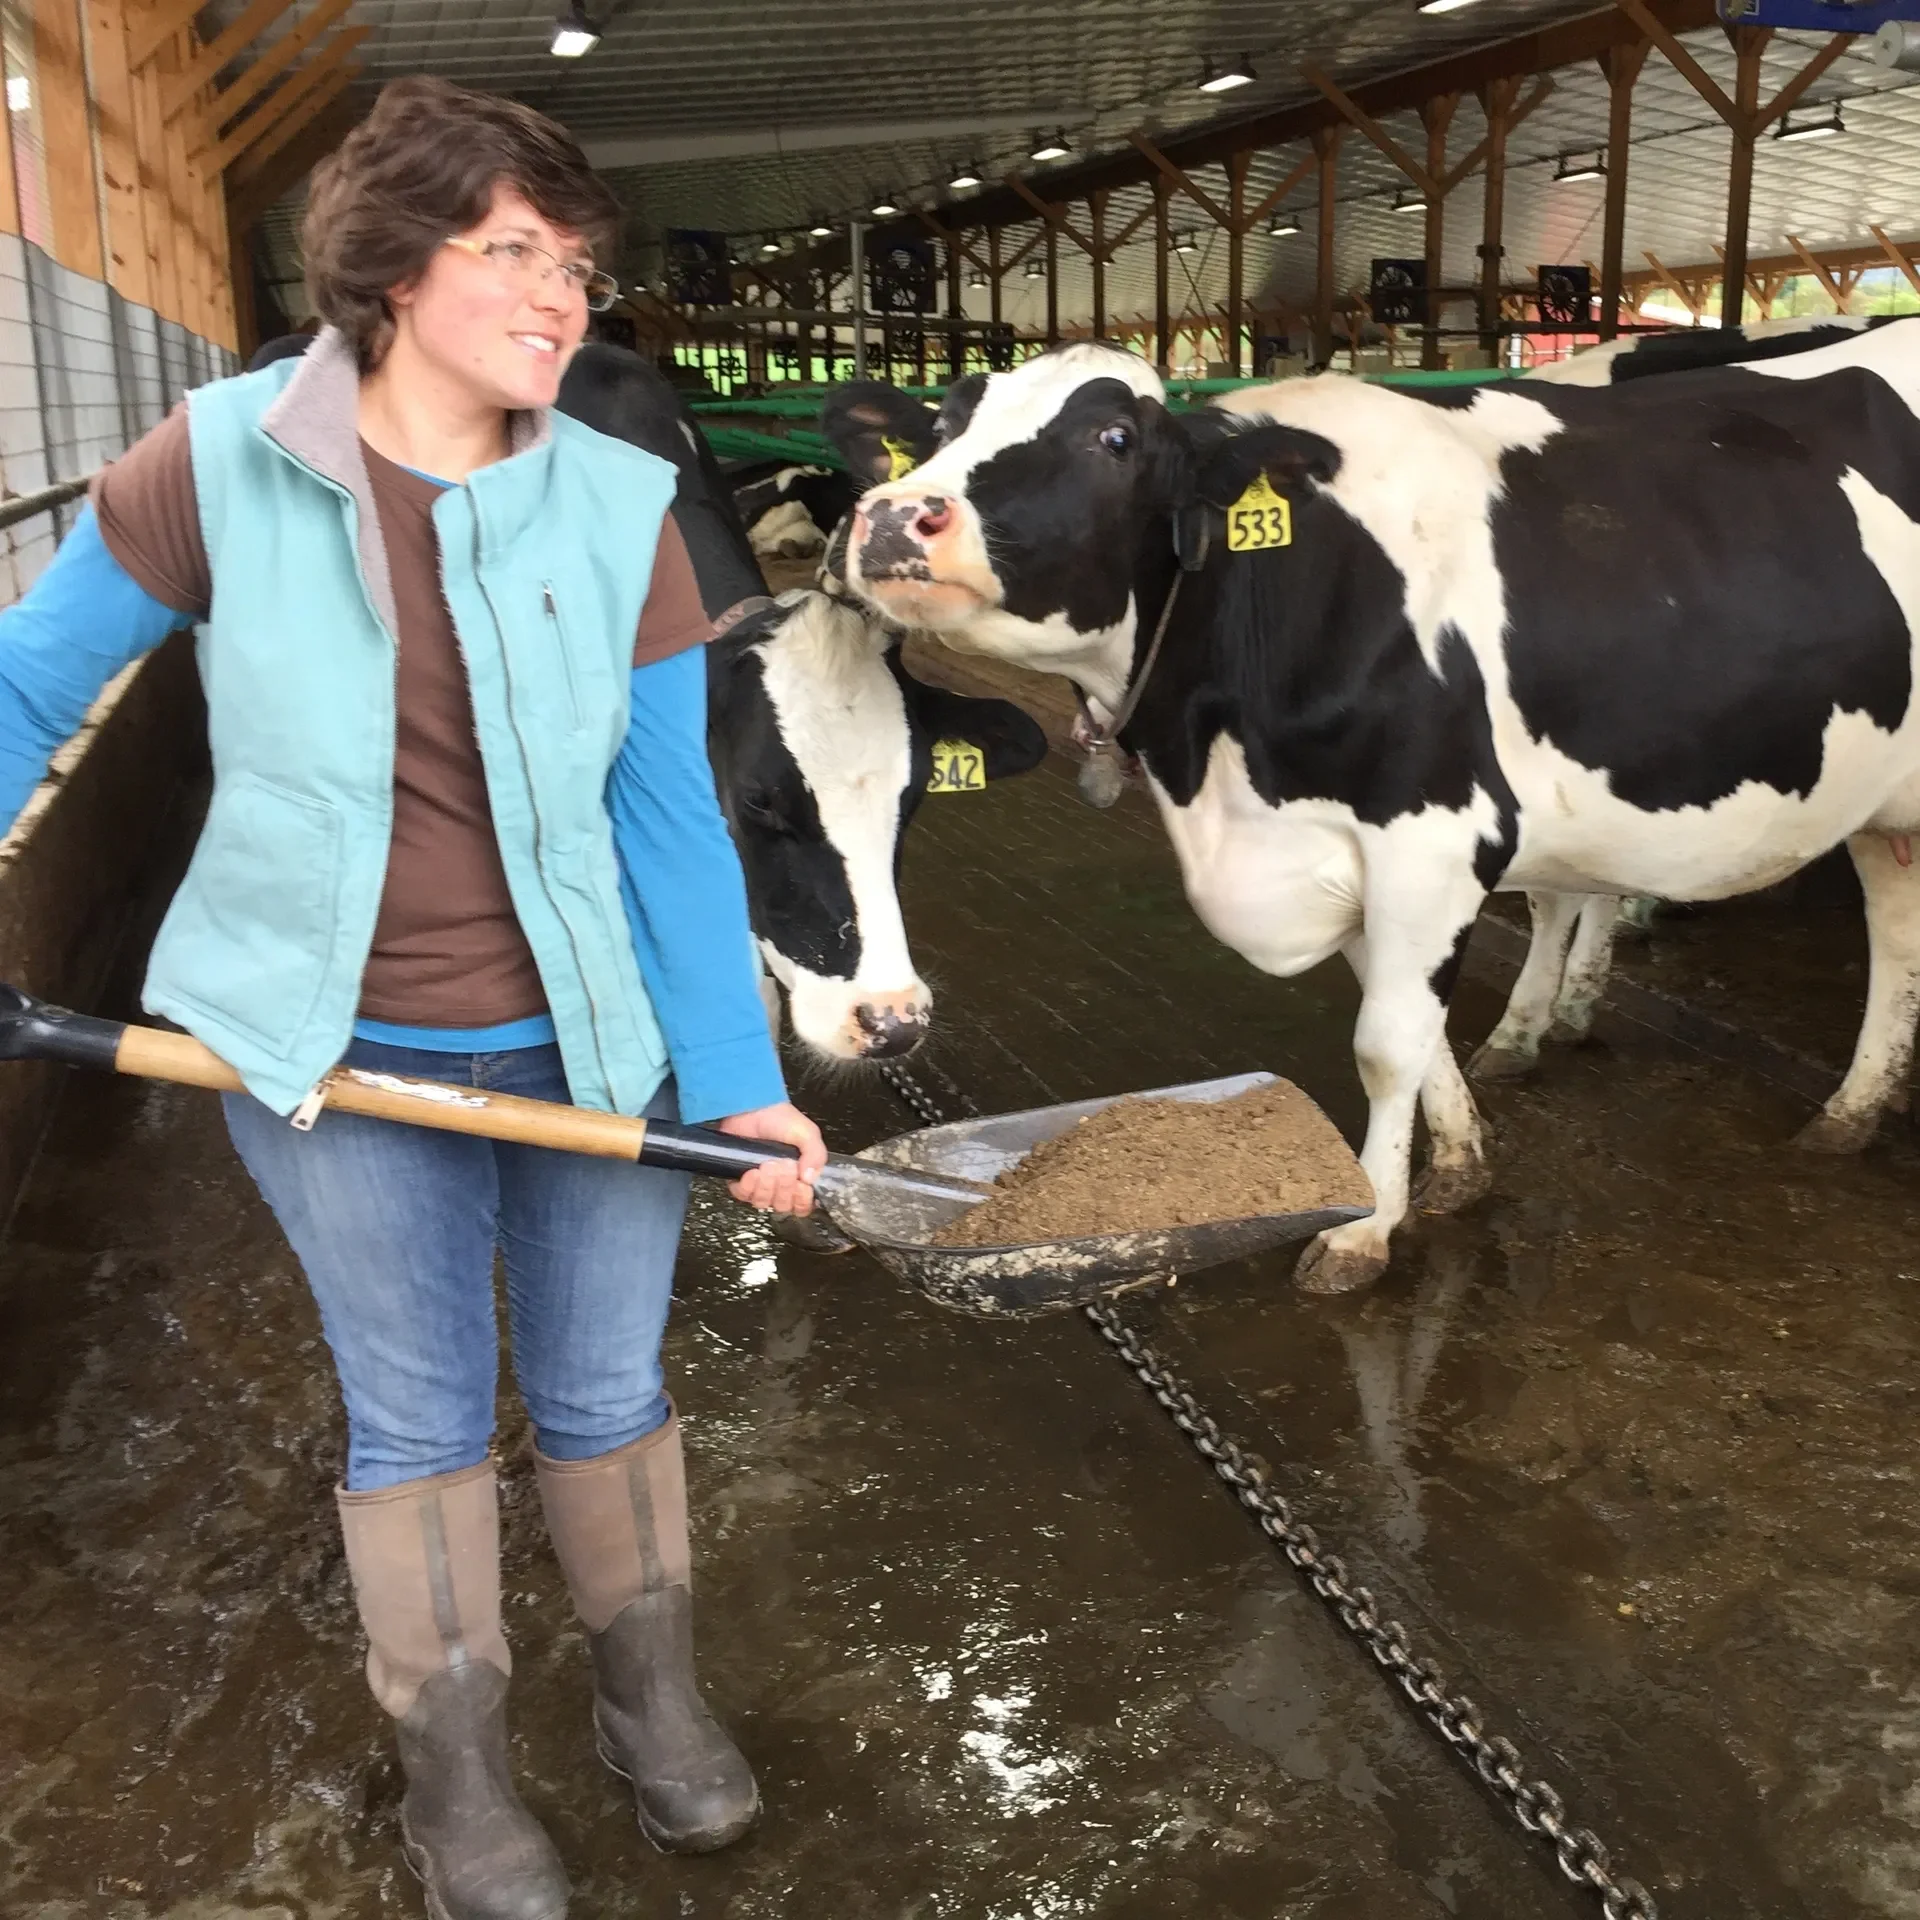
[
  {"x": 1053, "y": 507},
  {"x": 823, "y": 748},
  {"x": 821, "y": 743},
  {"x": 1021, "y": 531}
]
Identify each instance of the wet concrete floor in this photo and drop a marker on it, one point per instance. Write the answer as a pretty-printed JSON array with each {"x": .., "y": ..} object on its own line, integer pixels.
[{"x": 1629, "y": 1447}]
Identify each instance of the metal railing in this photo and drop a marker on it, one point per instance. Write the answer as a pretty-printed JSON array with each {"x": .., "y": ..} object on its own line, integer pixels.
[{"x": 23, "y": 506}]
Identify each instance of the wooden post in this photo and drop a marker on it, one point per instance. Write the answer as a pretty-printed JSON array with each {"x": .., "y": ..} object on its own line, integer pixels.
[
  {"x": 1621, "y": 65},
  {"x": 1097, "y": 219},
  {"x": 1326, "y": 147},
  {"x": 994, "y": 271},
  {"x": 1237, "y": 165},
  {"x": 1748, "y": 45},
  {"x": 1053, "y": 284},
  {"x": 66, "y": 131},
  {"x": 1436, "y": 115},
  {"x": 1162, "y": 244},
  {"x": 1496, "y": 99}
]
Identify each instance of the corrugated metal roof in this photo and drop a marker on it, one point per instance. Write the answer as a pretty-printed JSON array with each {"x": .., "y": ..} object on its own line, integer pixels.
[{"x": 753, "y": 118}]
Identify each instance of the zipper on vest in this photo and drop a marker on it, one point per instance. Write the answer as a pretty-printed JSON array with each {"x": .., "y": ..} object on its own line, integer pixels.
[
  {"x": 566, "y": 658},
  {"x": 526, "y": 767}
]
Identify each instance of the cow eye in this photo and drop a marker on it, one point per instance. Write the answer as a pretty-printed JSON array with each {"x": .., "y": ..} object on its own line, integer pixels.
[{"x": 1117, "y": 439}]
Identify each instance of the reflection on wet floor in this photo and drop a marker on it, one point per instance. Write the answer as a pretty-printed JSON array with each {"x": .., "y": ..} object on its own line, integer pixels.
[{"x": 1628, "y": 1449}]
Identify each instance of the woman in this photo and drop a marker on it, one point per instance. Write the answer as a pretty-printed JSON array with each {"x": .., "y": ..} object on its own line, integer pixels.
[{"x": 463, "y": 828}]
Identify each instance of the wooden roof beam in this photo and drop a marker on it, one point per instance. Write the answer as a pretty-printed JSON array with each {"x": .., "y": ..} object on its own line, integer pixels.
[
  {"x": 1054, "y": 215},
  {"x": 1897, "y": 255},
  {"x": 179, "y": 88},
  {"x": 278, "y": 104},
  {"x": 224, "y": 106},
  {"x": 1543, "y": 50}
]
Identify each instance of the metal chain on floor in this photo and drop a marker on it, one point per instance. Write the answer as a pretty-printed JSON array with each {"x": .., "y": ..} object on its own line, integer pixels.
[{"x": 1497, "y": 1762}]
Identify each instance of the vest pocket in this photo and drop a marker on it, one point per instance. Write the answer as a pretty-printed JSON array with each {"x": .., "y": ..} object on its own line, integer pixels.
[{"x": 252, "y": 929}]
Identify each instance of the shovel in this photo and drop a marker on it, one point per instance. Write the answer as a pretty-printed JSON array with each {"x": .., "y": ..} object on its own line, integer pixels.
[{"x": 913, "y": 1201}]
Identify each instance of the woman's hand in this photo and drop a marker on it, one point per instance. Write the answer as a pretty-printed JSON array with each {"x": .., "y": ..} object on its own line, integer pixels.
[{"x": 781, "y": 1186}]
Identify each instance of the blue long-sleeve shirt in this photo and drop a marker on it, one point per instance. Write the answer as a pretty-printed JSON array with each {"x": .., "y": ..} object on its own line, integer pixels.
[{"x": 86, "y": 618}]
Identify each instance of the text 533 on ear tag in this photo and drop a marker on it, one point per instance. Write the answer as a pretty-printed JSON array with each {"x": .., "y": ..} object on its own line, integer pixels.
[
  {"x": 900, "y": 460},
  {"x": 958, "y": 767},
  {"x": 1259, "y": 519}
]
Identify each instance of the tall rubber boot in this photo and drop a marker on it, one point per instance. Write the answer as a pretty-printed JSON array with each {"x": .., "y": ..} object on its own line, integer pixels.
[
  {"x": 425, "y": 1559},
  {"x": 619, "y": 1525}
]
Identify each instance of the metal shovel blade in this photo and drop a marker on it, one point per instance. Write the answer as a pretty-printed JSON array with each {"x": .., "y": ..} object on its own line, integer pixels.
[{"x": 1014, "y": 1282}]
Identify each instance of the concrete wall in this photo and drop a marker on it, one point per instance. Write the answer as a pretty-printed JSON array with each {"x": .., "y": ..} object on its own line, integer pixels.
[{"x": 84, "y": 372}]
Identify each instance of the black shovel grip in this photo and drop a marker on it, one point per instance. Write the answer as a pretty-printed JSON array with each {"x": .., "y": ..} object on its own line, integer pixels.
[
  {"x": 31, "y": 1029},
  {"x": 701, "y": 1150}
]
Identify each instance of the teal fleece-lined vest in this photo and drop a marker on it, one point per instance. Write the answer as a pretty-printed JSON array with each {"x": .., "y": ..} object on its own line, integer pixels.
[{"x": 545, "y": 561}]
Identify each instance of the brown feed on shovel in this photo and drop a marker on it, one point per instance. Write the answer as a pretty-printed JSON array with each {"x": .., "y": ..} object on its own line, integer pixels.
[{"x": 1150, "y": 1164}]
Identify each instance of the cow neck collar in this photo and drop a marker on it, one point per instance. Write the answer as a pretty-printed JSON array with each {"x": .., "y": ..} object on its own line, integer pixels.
[{"x": 1190, "y": 546}]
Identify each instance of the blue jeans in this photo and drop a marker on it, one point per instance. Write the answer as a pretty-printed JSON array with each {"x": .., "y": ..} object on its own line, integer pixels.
[{"x": 397, "y": 1227}]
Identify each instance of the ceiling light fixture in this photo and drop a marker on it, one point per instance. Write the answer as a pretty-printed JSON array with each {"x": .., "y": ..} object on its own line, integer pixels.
[
  {"x": 820, "y": 230},
  {"x": 1571, "y": 169},
  {"x": 1810, "y": 129},
  {"x": 1035, "y": 271},
  {"x": 1282, "y": 227},
  {"x": 1051, "y": 146},
  {"x": 1409, "y": 200},
  {"x": 1441, "y": 6},
  {"x": 885, "y": 206},
  {"x": 978, "y": 282},
  {"x": 1236, "y": 73},
  {"x": 1185, "y": 244},
  {"x": 769, "y": 246},
  {"x": 573, "y": 34},
  {"x": 965, "y": 177}
]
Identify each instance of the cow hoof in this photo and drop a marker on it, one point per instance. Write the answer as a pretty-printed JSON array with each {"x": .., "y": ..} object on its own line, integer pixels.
[
  {"x": 1453, "y": 1189},
  {"x": 1501, "y": 1063},
  {"x": 1327, "y": 1269},
  {"x": 1826, "y": 1134}
]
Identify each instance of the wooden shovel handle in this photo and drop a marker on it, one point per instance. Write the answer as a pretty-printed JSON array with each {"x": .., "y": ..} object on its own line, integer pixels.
[{"x": 155, "y": 1055}]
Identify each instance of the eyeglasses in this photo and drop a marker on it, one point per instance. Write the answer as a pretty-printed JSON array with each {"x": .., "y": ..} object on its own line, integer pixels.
[{"x": 522, "y": 264}]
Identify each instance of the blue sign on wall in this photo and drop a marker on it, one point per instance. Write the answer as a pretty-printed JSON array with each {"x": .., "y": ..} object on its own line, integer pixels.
[{"x": 1817, "y": 16}]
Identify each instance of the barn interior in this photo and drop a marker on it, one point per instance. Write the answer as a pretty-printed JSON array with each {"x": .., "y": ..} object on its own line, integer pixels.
[{"x": 1626, "y": 1447}]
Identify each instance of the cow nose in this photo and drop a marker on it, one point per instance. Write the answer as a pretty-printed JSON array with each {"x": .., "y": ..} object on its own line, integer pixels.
[
  {"x": 935, "y": 516},
  {"x": 889, "y": 1029}
]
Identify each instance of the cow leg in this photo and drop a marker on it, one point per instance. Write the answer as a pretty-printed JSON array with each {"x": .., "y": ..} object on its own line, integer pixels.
[
  {"x": 1512, "y": 1049},
  {"x": 1406, "y": 971},
  {"x": 1589, "y": 961},
  {"x": 1457, "y": 1172},
  {"x": 1883, "y": 1054}
]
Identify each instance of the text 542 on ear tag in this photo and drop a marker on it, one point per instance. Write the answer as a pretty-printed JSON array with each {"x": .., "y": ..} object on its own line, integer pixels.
[
  {"x": 900, "y": 460},
  {"x": 1259, "y": 519},
  {"x": 958, "y": 767}
]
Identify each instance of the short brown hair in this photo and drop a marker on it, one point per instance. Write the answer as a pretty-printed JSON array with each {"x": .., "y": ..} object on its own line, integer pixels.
[{"x": 421, "y": 167}]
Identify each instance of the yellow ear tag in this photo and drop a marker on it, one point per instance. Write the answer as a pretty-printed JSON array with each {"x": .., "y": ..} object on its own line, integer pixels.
[
  {"x": 899, "y": 457},
  {"x": 1259, "y": 519},
  {"x": 958, "y": 767}
]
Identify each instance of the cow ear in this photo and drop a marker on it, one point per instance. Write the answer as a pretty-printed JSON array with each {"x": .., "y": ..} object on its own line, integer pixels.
[
  {"x": 877, "y": 430},
  {"x": 1010, "y": 740},
  {"x": 1288, "y": 456}
]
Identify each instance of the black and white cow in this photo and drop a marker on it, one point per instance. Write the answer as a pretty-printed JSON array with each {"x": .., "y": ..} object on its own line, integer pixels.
[
  {"x": 1636, "y": 356},
  {"x": 1658, "y": 638},
  {"x": 1570, "y": 952},
  {"x": 822, "y": 742},
  {"x": 789, "y": 511}
]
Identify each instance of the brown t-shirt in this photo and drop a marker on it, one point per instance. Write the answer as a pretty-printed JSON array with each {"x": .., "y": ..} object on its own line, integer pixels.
[{"x": 447, "y": 947}]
